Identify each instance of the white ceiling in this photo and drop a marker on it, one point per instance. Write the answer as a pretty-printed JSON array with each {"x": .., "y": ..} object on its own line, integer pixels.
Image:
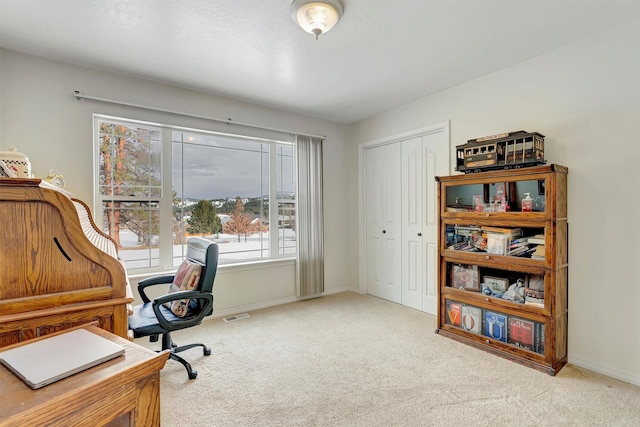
[{"x": 382, "y": 54}]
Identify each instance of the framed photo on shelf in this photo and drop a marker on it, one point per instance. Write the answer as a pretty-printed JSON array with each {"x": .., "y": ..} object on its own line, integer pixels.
[
  {"x": 478, "y": 202},
  {"x": 465, "y": 277},
  {"x": 541, "y": 186},
  {"x": 501, "y": 195},
  {"x": 492, "y": 285},
  {"x": 535, "y": 281}
]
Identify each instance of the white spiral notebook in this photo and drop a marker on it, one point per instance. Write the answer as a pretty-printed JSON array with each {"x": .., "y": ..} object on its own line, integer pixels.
[{"x": 51, "y": 359}]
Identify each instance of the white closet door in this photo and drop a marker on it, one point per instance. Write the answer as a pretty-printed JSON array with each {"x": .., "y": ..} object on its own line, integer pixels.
[
  {"x": 412, "y": 224},
  {"x": 423, "y": 158},
  {"x": 383, "y": 209},
  {"x": 435, "y": 161},
  {"x": 399, "y": 221}
]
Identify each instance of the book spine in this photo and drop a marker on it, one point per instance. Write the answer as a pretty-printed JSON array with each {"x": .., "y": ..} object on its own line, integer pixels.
[{"x": 539, "y": 338}]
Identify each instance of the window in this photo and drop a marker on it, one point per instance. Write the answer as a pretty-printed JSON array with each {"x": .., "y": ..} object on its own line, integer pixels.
[
  {"x": 130, "y": 188},
  {"x": 237, "y": 191}
]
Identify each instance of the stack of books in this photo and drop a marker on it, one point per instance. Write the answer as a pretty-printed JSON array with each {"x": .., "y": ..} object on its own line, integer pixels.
[
  {"x": 538, "y": 253},
  {"x": 519, "y": 246},
  {"x": 538, "y": 246},
  {"x": 469, "y": 235},
  {"x": 538, "y": 239}
]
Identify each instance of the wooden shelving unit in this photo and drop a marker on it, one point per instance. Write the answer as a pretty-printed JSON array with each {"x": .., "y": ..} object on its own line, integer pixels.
[{"x": 501, "y": 323}]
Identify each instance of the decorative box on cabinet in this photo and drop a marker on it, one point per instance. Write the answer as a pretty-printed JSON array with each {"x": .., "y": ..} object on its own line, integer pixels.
[{"x": 480, "y": 218}]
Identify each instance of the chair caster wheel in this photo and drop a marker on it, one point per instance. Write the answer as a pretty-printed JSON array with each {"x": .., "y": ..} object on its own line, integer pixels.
[
  {"x": 206, "y": 351},
  {"x": 193, "y": 375}
]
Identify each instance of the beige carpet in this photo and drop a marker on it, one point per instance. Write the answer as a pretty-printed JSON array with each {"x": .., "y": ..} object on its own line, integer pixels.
[{"x": 356, "y": 360}]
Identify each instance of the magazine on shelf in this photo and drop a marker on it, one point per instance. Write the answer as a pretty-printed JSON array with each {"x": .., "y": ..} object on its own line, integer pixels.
[
  {"x": 495, "y": 325},
  {"x": 471, "y": 319},
  {"x": 453, "y": 313},
  {"x": 520, "y": 333}
]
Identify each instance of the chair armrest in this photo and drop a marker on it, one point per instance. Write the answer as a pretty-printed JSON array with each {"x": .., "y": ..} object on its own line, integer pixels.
[
  {"x": 176, "y": 296},
  {"x": 190, "y": 320},
  {"x": 152, "y": 281}
]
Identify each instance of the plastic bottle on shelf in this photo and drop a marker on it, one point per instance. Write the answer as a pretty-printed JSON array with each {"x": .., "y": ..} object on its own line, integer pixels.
[{"x": 527, "y": 203}]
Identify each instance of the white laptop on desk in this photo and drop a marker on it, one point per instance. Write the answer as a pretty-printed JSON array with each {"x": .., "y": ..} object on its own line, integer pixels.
[{"x": 51, "y": 359}]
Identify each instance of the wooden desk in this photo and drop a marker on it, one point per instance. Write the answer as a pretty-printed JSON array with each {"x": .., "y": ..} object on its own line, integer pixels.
[{"x": 124, "y": 391}]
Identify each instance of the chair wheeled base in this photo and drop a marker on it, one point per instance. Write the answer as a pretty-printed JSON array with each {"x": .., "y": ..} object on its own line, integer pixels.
[{"x": 168, "y": 344}]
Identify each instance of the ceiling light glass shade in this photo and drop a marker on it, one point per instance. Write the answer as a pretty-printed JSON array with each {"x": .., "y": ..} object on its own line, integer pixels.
[{"x": 316, "y": 17}]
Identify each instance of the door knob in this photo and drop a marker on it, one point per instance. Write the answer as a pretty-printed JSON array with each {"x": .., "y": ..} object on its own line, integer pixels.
[{"x": 419, "y": 234}]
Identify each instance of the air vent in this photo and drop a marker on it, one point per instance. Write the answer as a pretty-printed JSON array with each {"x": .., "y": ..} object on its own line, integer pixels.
[{"x": 236, "y": 317}]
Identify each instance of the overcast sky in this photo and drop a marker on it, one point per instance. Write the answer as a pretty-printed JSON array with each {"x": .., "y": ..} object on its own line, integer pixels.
[{"x": 226, "y": 168}]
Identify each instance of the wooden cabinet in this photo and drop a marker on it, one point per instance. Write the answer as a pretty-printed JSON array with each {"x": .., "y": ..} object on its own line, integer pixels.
[
  {"x": 508, "y": 301},
  {"x": 124, "y": 391},
  {"x": 53, "y": 276}
]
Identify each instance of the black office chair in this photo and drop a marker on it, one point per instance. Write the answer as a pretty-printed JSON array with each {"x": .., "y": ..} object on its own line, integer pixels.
[{"x": 180, "y": 308}]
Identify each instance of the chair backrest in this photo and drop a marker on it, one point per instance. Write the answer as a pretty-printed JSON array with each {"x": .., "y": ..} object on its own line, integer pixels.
[{"x": 204, "y": 252}]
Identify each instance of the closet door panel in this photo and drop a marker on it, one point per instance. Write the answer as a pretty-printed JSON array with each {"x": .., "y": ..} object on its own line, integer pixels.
[{"x": 383, "y": 209}]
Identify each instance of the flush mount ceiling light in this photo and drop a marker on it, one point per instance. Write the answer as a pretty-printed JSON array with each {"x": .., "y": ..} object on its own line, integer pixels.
[{"x": 316, "y": 16}]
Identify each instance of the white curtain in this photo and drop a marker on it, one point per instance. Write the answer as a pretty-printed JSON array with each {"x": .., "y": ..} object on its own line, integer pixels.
[{"x": 309, "y": 217}]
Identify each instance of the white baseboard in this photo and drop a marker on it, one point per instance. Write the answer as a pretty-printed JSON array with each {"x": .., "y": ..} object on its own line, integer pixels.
[
  {"x": 224, "y": 312},
  {"x": 339, "y": 290},
  {"x": 586, "y": 363}
]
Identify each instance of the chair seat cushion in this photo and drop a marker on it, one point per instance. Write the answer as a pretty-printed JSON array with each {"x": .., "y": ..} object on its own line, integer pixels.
[
  {"x": 143, "y": 321},
  {"x": 187, "y": 278}
]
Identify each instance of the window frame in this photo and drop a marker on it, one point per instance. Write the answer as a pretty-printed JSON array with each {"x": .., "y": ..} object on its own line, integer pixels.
[{"x": 165, "y": 201}]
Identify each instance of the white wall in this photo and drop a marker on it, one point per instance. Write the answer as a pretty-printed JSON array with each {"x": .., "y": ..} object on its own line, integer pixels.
[
  {"x": 585, "y": 98},
  {"x": 42, "y": 118}
]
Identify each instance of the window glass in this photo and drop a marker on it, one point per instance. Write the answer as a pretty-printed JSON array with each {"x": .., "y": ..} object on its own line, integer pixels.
[
  {"x": 222, "y": 193},
  {"x": 135, "y": 226},
  {"x": 129, "y": 190},
  {"x": 286, "y": 194},
  {"x": 129, "y": 163}
]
